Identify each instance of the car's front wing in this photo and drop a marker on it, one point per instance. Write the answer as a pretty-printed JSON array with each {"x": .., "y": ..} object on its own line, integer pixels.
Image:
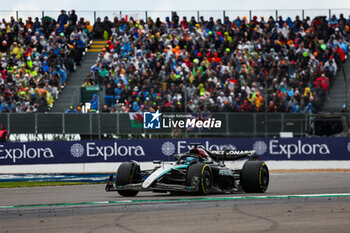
[{"x": 111, "y": 187}]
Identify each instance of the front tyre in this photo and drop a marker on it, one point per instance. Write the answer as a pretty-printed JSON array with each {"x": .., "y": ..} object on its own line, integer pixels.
[
  {"x": 202, "y": 175},
  {"x": 254, "y": 177},
  {"x": 127, "y": 173}
]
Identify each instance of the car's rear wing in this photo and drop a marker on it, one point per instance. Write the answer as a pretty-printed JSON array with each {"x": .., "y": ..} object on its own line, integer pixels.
[{"x": 231, "y": 155}]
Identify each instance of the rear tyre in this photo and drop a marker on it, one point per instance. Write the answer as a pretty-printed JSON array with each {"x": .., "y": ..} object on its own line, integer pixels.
[
  {"x": 127, "y": 173},
  {"x": 254, "y": 177},
  {"x": 202, "y": 174}
]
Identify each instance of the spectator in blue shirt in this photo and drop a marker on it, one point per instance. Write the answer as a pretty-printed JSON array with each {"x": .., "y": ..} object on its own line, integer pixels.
[
  {"x": 118, "y": 91},
  {"x": 71, "y": 109},
  {"x": 45, "y": 66},
  {"x": 343, "y": 45},
  {"x": 62, "y": 73},
  {"x": 36, "y": 23},
  {"x": 94, "y": 103},
  {"x": 333, "y": 20},
  {"x": 63, "y": 18}
]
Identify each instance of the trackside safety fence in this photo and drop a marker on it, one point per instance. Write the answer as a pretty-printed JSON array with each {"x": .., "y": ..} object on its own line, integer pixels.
[
  {"x": 99, "y": 124},
  {"x": 216, "y": 14}
]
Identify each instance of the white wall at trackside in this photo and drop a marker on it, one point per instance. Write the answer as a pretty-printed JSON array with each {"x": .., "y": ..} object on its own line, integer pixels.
[{"x": 279, "y": 166}]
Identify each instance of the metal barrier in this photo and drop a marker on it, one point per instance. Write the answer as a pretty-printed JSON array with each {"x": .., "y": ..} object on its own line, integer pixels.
[
  {"x": 137, "y": 15},
  {"x": 233, "y": 124}
]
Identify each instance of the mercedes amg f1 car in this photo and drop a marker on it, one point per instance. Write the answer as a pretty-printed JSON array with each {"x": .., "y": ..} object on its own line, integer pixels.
[{"x": 198, "y": 171}]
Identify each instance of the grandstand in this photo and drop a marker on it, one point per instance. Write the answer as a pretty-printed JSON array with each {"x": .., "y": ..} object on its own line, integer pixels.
[
  {"x": 37, "y": 59},
  {"x": 197, "y": 107},
  {"x": 240, "y": 65},
  {"x": 177, "y": 62}
]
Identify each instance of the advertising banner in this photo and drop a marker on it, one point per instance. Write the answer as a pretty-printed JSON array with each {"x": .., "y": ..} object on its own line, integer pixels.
[{"x": 142, "y": 150}]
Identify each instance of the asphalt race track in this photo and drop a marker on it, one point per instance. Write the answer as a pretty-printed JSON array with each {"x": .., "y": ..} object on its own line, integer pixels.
[{"x": 294, "y": 202}]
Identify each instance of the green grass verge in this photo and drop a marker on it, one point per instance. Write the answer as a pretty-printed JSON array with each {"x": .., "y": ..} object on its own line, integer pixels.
[{"x": 21, "y": 184}]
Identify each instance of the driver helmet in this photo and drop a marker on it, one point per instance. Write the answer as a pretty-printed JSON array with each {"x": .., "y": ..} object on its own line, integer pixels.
[
  {"x": 189, "y": 159},
  {"x": 200, "y": 152}
]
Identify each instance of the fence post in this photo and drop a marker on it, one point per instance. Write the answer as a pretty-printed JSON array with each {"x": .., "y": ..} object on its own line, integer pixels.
[
  {"x": 72, "y": 100},
  {"x": 265, "y": 119},
  {"x": 146, "y": 14},
  {"x": 265, "y": 124},
  {"x": 305, "y": 128},
  {"x": 346, "y": 87},
  {"x": 43, "y": 14},
  {"x": 197, "y": 15},
  {"x": 282, "y": 122},
  {"x": 36, "y": 123},
  {"x": 8, "y": 123},
  {"x": 250, "y": 15},
  {"x": 330, "y": 13},
  {"x": 227, "y": 125},
  {"x": 303, "y": 14},
  {"x": 277, "y": 15},
  {"x": 302, "y": 126},
  {"x": 90, "y": 125},
  {"x": 63, "y": 124},
  {"x": 224, "y": 14},
  {"x": 118, "y": 118},
  {"x": 94, "y": 16},
  {"x": 99, "y": 126},
  {"x": 254, "y": 124},
  {"x": 16, "y": 15},
  {"x": 120, "y": 14}
]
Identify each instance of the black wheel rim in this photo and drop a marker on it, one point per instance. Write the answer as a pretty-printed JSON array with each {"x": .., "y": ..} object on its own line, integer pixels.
[
  {"x": 264, "y": 177},
  {"x": 207, "y": 180}
]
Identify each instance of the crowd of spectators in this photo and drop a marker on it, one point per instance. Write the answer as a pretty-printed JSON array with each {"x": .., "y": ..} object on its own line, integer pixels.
[
  {"x": 240, "y": 65},
  {"x": 37, "y": 56},
  {"x": 257, "y": 65}
]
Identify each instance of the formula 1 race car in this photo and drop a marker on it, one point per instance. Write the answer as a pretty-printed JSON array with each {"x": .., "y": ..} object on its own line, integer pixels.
[{"x": 198, "y": 171}]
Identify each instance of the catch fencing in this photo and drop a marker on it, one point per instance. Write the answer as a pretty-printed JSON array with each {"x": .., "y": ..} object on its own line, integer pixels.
[
  {"x": 99, "y": 124},
  {"x": 216, "y": 14}
]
